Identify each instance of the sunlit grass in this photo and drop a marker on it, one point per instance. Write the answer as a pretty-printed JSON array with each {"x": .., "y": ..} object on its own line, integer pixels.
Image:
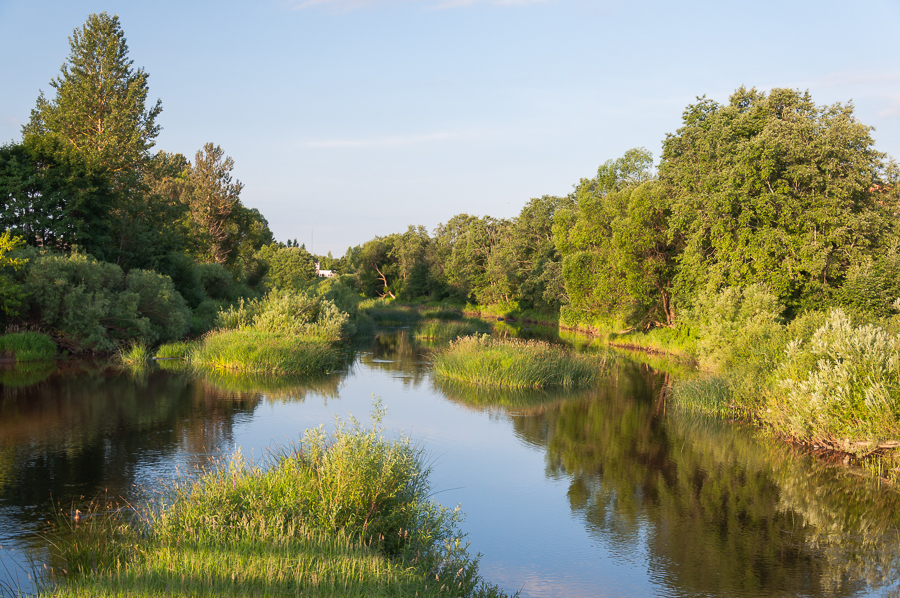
[
  {"x": 485, "y": 361},
  {"x": 341, "y": 514},
  {"x": 27, "y": 346},
  {"x": 449, "y": 330},
  {"x": 255, "y": 352},
  {"x": 178, "y": 350},
  {"x": 134, "y": 355}
]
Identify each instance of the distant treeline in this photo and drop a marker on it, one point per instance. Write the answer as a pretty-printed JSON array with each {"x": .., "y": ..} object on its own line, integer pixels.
[{"x": 769, "y": 189}]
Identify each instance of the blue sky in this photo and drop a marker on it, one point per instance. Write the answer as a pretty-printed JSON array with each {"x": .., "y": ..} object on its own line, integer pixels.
[{"x": 354, "y": 118}]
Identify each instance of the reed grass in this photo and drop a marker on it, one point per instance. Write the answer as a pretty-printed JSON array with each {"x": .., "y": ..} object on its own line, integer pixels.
[
  {"x": 341, "y": 514},
  {"x": 513, "y": 363},
  {"x": 267, "y": 353},
  {"x": 177, "y": 350},
  {"x": 135, "y": 355},
  {"x": 449, "y": 330},
  {"x": 27, "y": 346}
]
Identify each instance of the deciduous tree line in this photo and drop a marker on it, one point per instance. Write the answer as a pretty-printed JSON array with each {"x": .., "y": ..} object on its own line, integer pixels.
[
  {"x": 768, "y": 188},
  {"x": 85, "y": 180}
]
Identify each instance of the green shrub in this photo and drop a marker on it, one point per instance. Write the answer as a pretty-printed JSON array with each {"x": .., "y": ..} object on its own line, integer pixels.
[
  {"x": 735, "y": 325},
  {"x": 217, "y": 281},
  {"x": 97, "y": 308},
  {"x": 27, "y": 346},
  {"x": 840, "y": 387},
  {"x": 160, "y": 303},
  {"x": 300, "y": 314},
  {"x": 205, "y": 317},
  {"x": 486, "y": 361}
]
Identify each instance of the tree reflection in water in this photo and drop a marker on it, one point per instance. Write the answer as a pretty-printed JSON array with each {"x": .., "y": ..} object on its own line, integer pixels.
[{"x": 720, "y": 510}]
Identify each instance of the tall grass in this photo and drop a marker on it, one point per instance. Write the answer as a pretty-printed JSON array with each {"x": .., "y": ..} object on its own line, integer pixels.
[
  {"x": 449, "y": 330},
  {"x": 341, "y": 514},
  {"x": 259, "y": 352},
  {"x": 179, "y": 350},
  {"x": 134, "y": 355},
  {"x": 27, "y": 346},
  {"x": 485, "y": 361}
]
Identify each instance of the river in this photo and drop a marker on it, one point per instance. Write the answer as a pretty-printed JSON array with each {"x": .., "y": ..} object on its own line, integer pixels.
[{"x": 601, "y": 492}]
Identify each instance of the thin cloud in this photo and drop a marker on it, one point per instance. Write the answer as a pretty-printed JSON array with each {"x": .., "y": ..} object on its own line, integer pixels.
[
  {"x": 350, "y": 5},
  {"x": 893, "y": 109},
  {"x": 392, "y": 141},
  {"x": 851, "y": 78}
]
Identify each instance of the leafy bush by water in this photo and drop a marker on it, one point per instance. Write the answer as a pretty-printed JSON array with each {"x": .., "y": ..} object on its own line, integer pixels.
[
  {"x": 300, "y": 314},
  {"x": 841, "y": 386},
  {"x": 516, "y": 364},
  {"x": 96, "y": 307}
]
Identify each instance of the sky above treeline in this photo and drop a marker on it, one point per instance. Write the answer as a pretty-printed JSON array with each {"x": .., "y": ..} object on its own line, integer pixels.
[{"x": 349, "y": 119}]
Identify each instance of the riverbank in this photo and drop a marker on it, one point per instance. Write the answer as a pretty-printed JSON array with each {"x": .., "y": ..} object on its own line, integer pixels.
[
  {"x": 824, "y": 380},
  {"x": 343, "y": 514}
]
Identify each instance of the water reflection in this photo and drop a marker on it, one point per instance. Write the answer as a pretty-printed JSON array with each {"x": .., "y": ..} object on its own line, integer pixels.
[
  {"x": 699, "y": 507},
  {"x": 717, "y": 510}
]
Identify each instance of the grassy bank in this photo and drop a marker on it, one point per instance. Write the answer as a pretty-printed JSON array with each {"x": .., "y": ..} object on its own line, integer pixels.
[
  {"x": 485, "y": 361},
  {"x": 346, "y": 514},
  {"x": 27, "y": 346}
]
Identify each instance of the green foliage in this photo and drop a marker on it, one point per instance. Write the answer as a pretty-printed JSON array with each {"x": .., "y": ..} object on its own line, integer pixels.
[
  {"x": 482, "y": 360},
  {"x": 617, "y": 259},
  {"x": 12, "y": 295},
  {"x": 211, "y": 200},
  {"x": 289, "y": 268},
  {"x": 216, "y": 281},
  {"x": 27, "y": 346},
  {"x": 770, "y": 189},
  {"x": 206, "y": 316},
  {"x": 841, "y": 387},
  {"x": 99, "y": 110},
  {"x": 95, "y": 306},
  {"x": 301, "y": 314},
  {"x": 736, "y": 326},
  {"x": 160, "y": 304}
]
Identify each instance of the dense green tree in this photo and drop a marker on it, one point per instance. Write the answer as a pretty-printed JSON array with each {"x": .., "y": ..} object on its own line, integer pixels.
[
  {"x": 288, "y": 267},
  {"x": 99, "y": 114},
  {"x": 617, "y": 259},
  {"x": 532, "y": 254},
  {"x": 51, "y": 200},
  {"x": 376, "y": 270},
  {"x": 212, "y": 199},
  {"x": 771, "y": 189},
  {"x": 411, "y": 253}
]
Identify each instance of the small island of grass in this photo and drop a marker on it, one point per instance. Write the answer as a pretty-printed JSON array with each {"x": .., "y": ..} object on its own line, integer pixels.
[
  {"x": 345, "y": 514},
  {"x": 512, "y": 363}
]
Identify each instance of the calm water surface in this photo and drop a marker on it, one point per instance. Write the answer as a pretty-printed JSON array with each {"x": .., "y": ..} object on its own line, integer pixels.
[{"x": 594, "y": 493}]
